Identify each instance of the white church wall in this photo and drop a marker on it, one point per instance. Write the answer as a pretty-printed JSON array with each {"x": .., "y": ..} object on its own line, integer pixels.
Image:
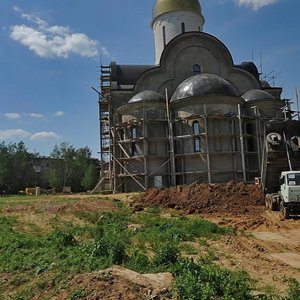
[{"x": 169, "y": 25}]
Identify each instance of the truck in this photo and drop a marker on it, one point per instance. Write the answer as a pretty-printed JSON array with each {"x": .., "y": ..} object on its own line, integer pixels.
[{"x": 280, "y": 171}]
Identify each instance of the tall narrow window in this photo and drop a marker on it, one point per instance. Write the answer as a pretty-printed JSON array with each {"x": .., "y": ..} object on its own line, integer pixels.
[
  {"x": 196, "y": 69},
  {"x": 133, "y": 135},
  {"x": 182, "y": 28},
  {"x": 164, "y": 36},
  {"x": 133, "y": 132},
  {"x": 196, "y": 128},
  {"x": 250, "y": 139},
  {"x": 197, "y": 141}
]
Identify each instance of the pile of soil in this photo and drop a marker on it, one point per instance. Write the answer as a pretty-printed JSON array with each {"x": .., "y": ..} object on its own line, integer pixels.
[
  {"x": 118, "y": 283},
  {"x": 227, "y": 198}
]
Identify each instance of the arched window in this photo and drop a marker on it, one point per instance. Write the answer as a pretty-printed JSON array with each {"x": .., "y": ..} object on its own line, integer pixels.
[
  {"x": 197, "y": 140},
  {"x": 164, "y": 36},
  {"x": 182, "y": 28},
  {"x": 196, "y": 69},
  {"x": 199, "y": 28}
]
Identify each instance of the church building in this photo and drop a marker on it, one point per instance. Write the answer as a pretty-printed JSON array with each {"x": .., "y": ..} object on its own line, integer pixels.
[{"x": 192, "y": 116}]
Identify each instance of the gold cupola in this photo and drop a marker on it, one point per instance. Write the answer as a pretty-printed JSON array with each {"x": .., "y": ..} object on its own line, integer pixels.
[{"x": 166, "y": 6}]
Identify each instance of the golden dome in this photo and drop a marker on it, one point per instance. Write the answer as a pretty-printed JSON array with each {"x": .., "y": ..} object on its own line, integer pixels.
[{"x": 165, "y": 6}]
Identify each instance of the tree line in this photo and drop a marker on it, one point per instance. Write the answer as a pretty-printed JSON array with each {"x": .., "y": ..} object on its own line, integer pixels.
[{"x": 67, "y": 167}]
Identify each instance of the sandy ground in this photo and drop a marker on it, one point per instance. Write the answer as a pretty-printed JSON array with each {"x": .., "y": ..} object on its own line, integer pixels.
[{"x": 269, "y": 251}]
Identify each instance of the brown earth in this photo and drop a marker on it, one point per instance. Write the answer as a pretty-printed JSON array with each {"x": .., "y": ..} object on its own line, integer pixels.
[
  {"x": 117, "y": 283},
  {"x": 224, "y": 199},
  {"x": 267, "y": 247}
]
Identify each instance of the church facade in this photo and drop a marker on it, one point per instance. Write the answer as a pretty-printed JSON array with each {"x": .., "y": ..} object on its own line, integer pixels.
[{"x": 193, "y": 116}]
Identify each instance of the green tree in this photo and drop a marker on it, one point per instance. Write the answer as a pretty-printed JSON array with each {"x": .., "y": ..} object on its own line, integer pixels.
[
  {"x": 71, "y": 167},
  {"x": 90, "y": 177},
  {"x": 16, "y": 169}
]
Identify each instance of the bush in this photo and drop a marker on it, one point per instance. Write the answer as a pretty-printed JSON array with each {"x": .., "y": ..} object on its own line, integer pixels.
[
  {"x": 166, "y": 255},
  {"x": 110, "y": 243},
  {"x": 62, "y": 239},
  {"x": 200, "y": 281},
  {"x": 138, "y": 261}
]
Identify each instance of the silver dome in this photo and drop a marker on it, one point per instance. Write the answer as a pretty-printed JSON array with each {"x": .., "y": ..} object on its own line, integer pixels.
[
  {"x": 257, "y": 95},
  {"x": 203, "y": 85},
  {"x": 265, "y": 84},
  {"x": 147, "y": 96}
]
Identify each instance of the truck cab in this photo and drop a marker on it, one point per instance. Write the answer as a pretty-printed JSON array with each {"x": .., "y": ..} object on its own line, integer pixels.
[{"x": 289, "y": 193}]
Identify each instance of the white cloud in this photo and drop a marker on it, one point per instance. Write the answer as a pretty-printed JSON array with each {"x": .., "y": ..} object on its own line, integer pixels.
[
  {"x": 44, "y": 136},
  {"x": 12, "y": 116},
  {"x": 52, "y": 41},
  {"x": 256, "y": 4},
  {"x": 59, "y": 113},
  {"x": 36, "y": 115},
  {"x": 13, "y": 133}
]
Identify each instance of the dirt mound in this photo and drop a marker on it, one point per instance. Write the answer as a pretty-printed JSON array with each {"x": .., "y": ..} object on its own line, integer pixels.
[
  {"x": 226, "y": 199},
  {"x": 119, "y": 283}
]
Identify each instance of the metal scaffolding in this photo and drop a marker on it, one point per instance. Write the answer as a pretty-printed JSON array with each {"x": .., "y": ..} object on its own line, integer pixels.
[{"x": 104, "y": 103}]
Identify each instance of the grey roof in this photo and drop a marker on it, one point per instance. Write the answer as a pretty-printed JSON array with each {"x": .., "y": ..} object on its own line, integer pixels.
[
  {"x": 257, "y": 95},
  {"x": 127, "y": 74},
  {"x": 250, "y": 67},
  {"x": 203, "y": 85},
  {"x": 147, "y": 96},
  {"x": 265, "y": 84}
]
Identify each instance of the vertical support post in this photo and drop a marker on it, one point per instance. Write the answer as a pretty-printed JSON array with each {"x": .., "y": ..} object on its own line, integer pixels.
[
  {"x": 171, "y": 142},
  {"x": 114, "y": 172},
  {"x": 297, "y": 98},
  {"x": 233, "y": 145},
  {"x": 100, "y": 136},
  {"x": 207, "y": 145},
  {"x": 257, "y": 125},
  {"x": 183, "y": 176},
  {"x": 287, "y": 151},
  {"x": 111, "y": 166},
  {"x": 145, "y": 144},
  {"x": 242, "y": 143}
]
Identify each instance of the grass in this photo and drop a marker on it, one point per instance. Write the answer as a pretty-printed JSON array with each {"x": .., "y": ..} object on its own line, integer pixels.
[{"x": 145, "y": 242}]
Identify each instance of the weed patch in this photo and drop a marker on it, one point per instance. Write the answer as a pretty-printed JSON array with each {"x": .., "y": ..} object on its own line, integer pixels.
[{"x": 202, "y": 281}]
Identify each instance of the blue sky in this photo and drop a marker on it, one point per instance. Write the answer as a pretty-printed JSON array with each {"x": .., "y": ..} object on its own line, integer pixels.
[{"x": 50, "y": 53}]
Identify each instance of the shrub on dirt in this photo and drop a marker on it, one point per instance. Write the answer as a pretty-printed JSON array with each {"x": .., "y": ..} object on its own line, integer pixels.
[
  {"x": 202, "y": 281},
  {"x": 110, "y": 249},
  {"x": 138, "y": 261},
  {"x": 62, "y": 239},
  {"x": 166, "y": 255},
  {"x": 157, "y": 229}
]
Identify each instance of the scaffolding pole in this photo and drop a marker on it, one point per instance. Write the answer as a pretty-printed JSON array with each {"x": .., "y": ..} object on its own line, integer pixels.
[
  {"x": 242, "y": 143},
  {"x": 171, "y": 142},
  {"x": 116, "y": 160},
  {"x": 207, "y": 146}
]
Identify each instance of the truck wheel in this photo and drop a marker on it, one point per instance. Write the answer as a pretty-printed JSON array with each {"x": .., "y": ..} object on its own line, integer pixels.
[
  {"x": 268, "y": 200},
  {"x": 273, "y": 204},
  {"x": 284, "y": 211}
]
